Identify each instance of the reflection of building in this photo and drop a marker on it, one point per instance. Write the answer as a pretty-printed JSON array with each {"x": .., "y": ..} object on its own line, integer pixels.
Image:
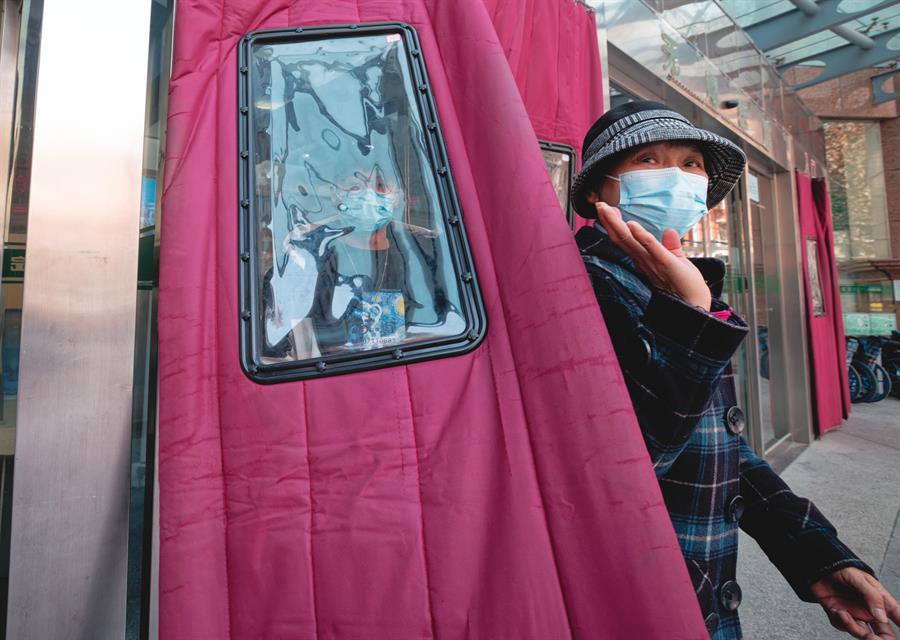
[{"x": 863, "y": 159}]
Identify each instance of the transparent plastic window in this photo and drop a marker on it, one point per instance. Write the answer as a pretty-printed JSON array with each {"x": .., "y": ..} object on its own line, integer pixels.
[
  {"x": 352, "y": 250},
  {"x": 559, "y": 166}
]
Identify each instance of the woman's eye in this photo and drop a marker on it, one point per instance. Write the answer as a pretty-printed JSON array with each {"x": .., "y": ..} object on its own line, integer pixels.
[
  {"x": 647, "y": 159},
  {"x": 694, "y": 164}
]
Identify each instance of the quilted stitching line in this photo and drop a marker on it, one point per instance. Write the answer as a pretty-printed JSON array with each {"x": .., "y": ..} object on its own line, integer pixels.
[
  {"x": 312, "y": 565},
  {"x": 527, "y": 423},
  {"x": 424, "y": 545},
  {"x": 216, "y": 333}
]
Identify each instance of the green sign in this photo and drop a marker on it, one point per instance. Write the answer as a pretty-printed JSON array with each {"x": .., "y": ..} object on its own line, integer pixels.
[
  {"x": 869, "y": 324},
  {"x": 879, "y": 289},
  {"x": 856, "y": 324},
  {"x": 14, "y": 263},
  {"x": 881, "y": 324}
]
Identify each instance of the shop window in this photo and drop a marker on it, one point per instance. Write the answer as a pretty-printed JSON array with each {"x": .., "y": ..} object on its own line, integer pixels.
[
  {"x": 856, "y": 183},
  {"x": 352, "y": 248},
  {"x": 560, "y": 160}
]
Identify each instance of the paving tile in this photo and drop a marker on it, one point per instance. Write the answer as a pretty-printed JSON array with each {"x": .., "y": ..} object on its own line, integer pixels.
[{"x": 853, "y": 476}]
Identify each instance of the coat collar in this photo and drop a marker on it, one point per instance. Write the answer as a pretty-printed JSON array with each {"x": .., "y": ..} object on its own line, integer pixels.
[{"x": 594, "y": 241}]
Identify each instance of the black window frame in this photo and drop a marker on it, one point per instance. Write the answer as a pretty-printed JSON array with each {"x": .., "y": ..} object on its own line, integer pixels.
[
  {"x": 565, "y": 149},
  {"x": 473, "y": 310}
]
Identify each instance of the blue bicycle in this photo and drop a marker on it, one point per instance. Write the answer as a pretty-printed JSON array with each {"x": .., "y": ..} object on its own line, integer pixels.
[{"x": 868, "y": 380}]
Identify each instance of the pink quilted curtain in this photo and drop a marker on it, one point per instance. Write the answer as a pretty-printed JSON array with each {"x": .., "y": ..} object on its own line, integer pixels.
[
  {"x": 831, "y": 393},
  {"x": 553, "y": 52},
  {"x": 501, "y": 494}
]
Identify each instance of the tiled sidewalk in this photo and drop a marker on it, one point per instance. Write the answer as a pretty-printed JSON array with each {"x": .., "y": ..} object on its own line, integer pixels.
[{"x": 853, "y": 476}]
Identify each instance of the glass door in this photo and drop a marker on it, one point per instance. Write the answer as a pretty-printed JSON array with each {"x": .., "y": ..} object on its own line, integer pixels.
[
  {"x": 766, "y": 290},
  {"x": 731, "y": 239}
]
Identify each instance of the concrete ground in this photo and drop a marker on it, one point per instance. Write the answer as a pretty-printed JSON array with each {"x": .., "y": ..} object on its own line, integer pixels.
[{"x": 853, "y": 476}]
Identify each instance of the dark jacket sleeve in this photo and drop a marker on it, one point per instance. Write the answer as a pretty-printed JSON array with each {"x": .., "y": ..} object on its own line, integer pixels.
[
  {"x": 796, "y": 537},
  {"x": 671, "y": 355}
]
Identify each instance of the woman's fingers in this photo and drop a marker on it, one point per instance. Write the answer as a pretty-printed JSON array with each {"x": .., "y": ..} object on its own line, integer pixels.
[
  {"x": 871, "y": 593},
  {"x": 672, "y": 242},
  {"x": 620, "y": 233},
  {"x": 656, "y": 250},
  {"x": 883, "y": 631},
  {"x": 894, "y": 613},
  {"x": 890, "y": 604},
  {"x": 854, "y": 627}
]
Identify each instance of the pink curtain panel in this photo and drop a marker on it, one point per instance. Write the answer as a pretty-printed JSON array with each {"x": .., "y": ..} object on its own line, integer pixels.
[
  {"x": 505, "y": 493},
  {"x": 831, "y": 402}
]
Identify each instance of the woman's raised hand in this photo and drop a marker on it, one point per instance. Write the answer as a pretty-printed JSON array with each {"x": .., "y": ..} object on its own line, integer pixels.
[{"x": 664, "y": 263}]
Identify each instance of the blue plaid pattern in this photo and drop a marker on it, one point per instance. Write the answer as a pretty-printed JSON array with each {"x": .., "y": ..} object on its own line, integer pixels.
[{"x": 676, "y": 363}]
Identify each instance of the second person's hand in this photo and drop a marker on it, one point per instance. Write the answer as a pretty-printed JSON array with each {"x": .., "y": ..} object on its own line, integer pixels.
[{"x": 664, "y": 264}]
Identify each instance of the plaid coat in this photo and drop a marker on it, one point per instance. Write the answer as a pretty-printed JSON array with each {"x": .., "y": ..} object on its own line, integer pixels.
[{"x": 675, "y": 360}]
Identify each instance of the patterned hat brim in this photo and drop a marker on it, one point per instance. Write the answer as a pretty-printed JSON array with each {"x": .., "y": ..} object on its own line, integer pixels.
[{"x": 723, "y": 160}]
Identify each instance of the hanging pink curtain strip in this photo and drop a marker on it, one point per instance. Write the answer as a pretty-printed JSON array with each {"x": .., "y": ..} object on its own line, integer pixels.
[
  {"x": 826, "y": 231},
  {"x": 828, "y": 368},
  {"x": 552, "y": 49},
  {"x": 506, "y": 493}
]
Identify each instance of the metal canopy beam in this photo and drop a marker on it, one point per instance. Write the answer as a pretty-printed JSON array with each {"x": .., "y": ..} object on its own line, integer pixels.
[
  {"x": 797, "y": 24},
  {"x": 847, "y": 59},
  {"x": 879, "y": 93}
]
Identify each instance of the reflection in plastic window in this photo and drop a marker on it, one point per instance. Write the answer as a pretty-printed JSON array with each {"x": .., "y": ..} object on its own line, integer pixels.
[
  {"x": 692, "y": 242},
  {"x": 815, "y": 281},
  {"x": 354, "y": 265},
  {"x": 718, "y": 224},
  {"x": 560, "y": 160}
]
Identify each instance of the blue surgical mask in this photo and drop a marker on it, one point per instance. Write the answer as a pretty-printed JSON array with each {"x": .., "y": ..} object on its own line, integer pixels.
[
  {"x": 662, "y": 199},
  {"x": 368, "y": 210}
]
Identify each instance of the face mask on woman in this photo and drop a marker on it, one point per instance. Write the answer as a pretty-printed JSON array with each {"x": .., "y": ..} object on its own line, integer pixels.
[
  {"x": 368, "y": 210},
  {"x": 662, "y": 199}
]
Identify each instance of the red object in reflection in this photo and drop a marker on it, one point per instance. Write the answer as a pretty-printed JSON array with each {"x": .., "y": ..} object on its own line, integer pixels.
[{"x": 828, "y": 364}]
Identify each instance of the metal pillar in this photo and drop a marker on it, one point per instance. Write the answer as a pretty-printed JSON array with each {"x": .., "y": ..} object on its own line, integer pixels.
[{"x": 70, "y": 494}]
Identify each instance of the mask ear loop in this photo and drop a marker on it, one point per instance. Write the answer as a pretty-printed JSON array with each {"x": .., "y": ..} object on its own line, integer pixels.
[{"x": 606, "y": 175}]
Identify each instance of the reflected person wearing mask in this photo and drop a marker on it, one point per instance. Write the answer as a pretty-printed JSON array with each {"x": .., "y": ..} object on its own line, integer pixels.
[{"x": 648, "y": 177}]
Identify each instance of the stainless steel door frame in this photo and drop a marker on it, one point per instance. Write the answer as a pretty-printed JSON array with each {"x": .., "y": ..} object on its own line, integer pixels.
[
  {"x": 746, "y": 377},
  {"x": 797, "y": 410},
  {"x": 9, "y": 46},
  {"x": 70, "y": 494}
]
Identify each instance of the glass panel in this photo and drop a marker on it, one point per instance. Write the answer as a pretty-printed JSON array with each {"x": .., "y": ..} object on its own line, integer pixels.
[
  {"x": 736, "y": 291},
  {"x": 750, "y": 12},
  {"x": 560, "y": 160},
  {"x": 143, "y": 424},
  {"x": 858, "y": 198},
  {"x": 766, "y": 292},
  {"x": 804, "y": 47},
  {"x": 693, "y": 241},
  {"x": 619, "y": 96},
  {"x": 349, "y": 201},
  {"x": 19, "y": 51}
]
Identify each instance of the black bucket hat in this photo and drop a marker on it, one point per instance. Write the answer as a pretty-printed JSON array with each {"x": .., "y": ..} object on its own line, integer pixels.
[{"x": 637, "y": 123}]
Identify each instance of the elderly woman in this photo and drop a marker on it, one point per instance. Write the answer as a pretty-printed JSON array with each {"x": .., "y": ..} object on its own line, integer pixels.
[{"x": 648, "y": 177}]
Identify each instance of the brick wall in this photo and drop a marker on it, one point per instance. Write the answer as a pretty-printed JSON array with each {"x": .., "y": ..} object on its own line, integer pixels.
[
  {"x": 890, "y": 149},
  {"x": 849, "y": 96}
]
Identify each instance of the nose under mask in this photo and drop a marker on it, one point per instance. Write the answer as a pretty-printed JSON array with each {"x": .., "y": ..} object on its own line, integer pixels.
[{"x": 661, "y": 199}]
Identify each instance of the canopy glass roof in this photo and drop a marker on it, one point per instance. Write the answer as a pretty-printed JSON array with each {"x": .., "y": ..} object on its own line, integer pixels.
[{"x": 884, "y": 18}]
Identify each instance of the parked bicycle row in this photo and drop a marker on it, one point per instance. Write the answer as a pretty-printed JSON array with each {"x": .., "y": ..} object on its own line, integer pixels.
[{"x": 873, "y": 367}]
